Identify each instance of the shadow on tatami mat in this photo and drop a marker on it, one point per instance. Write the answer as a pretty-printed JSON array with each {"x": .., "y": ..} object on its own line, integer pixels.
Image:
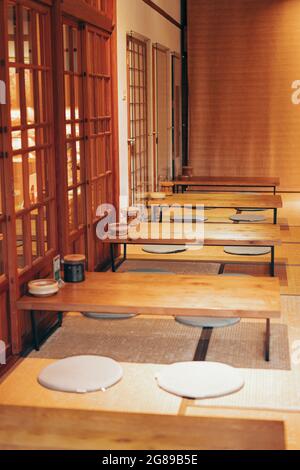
[
  {"x": 164, "y": 341},
  {"x": 176, "y": 267},
  {"x": 242, "y": 346},
  {"x": 138, "y": 340}
]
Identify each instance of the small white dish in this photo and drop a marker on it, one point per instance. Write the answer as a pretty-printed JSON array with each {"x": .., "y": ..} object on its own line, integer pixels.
[
  {"x": 158, "y": 195},
  {"x": 118, "y": 229},
  {"x": 43, "y": 287}
]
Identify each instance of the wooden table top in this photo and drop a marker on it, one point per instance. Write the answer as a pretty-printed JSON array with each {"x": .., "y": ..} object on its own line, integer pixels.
[
  {"x": 217, "y": 200},
  {"x": 230, "y": 181},
  {"x": 191, "y": 295},
  {"x": 209, "y": 234},
  {"x": 67, "y": 429}
]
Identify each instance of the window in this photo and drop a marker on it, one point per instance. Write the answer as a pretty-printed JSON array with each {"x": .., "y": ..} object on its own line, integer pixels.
[
  {"x": 31, "y": 122},
  {"x": 138, "y": 117}
]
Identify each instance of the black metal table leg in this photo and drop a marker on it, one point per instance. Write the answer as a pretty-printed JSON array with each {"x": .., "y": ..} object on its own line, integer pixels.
[
  {"x": 273, "y": 261},
  {"x": 268, "y": 338},
  {"x": 222, "y": 269},
  {"x": 112, "y": 257},
  {"x": 125, "y": 252},
  {"x": 160, "y": 215},
  {"x": 35, "y": 334},
  {"x": 275, "y": 216},
  {"x": 60, "y": 317}
]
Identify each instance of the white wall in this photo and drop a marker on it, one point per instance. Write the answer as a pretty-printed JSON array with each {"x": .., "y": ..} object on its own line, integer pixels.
[{"x": 135, "y": 16}]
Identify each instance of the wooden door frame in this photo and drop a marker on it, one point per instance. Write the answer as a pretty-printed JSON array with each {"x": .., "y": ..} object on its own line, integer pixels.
[
  {"x": 158, "y": 47},
  {"x": 140, "y": 40}
]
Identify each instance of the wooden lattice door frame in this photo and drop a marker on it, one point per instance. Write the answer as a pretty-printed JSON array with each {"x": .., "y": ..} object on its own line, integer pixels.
[
  {"x": 138, "y": 113},
  {"x": 28, "y": 140}
]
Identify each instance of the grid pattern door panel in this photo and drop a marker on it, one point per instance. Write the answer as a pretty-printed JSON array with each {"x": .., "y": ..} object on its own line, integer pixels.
[
  {"x": 75, "y": 137},
  {"x": 31, "y": 130},
  {"x": 99, "y": 132},
  {"x": 138, "y": 117}
]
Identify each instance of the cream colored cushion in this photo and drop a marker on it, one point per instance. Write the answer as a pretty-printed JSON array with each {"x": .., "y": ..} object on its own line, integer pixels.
[
  {"x": 207, "y": 322},
  {"x": 189, "y": 218},
  {"x": 164, "y": 249},
  {"x": 247, "y": 250},
  {"x": 107, "y": 316},
  {"x": 81, "y": 374},
  {"x": 199, "y": 380},
  {"x": 247, "y": 218},
  {"x": 251, "y": 209}
]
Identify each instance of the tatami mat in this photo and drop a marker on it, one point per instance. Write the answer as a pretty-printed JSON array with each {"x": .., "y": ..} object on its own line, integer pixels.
[
  {"x": 171, "y": 266},
  {"x": 137, "y": 392},
  {"x": 138, "y": 340}
]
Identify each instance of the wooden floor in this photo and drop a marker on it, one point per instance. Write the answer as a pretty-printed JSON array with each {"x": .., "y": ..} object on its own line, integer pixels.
[{"x": 288, "y": 268}]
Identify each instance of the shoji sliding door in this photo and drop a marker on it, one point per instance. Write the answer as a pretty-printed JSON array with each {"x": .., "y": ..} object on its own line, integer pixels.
[
  {"x": 27, "y": 194},
  {"x": 5, "y": 332},
  {"x": 99, "y": 132},
  {"x": 176, "y": 117},
  {"x": 31, "y": 131},
  {"x": 139, "y": 179},
  {"x": 88, "y": 160},
  {"x": 76, "y": 223},
  {"x": 63, "y": 143},
  {"x": 162, "y": 114}
]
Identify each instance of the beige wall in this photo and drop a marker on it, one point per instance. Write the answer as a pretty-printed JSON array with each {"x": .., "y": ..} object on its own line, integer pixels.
[
  {"x": 137, "y": 17},
  {"x": 243, "y": 58}
]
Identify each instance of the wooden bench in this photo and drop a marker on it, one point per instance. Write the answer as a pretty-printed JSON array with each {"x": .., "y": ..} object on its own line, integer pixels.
[
  {"x": 227, "y": 182},
  {"x": 212, "y": 235},
  {"x": 169, "y": 295},
  {"x": 24, "y": 428},
  {"x": 220, "y": 201}
]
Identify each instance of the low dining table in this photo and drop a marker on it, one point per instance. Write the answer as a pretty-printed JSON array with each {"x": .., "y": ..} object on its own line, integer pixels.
[
  {"x": 219, "y": 201},
  {"x": 239, "y": 182},
  {"x": 197, "y": 235}
]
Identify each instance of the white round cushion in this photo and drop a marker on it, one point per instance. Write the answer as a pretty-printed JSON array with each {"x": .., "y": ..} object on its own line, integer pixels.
[
  {"x": 251, "y": 209},
  {"x": 247, "y": 250},
  {"x": 107, "y": 316},
  {"x": 207, "y": 322},
  {"x": 81, "y": 374},
  {"x": 164, "y": 249},
  {"x": 247, "y": 218},
  {"x": 189, "y": 219},
  {"x": 199, "y": 380}
]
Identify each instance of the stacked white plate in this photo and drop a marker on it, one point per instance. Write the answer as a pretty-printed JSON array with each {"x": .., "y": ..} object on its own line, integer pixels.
[
  {"x": 43, "y": 287},
  {"x": 117, "y": 230},
  {"x": 158, "y": 195}
]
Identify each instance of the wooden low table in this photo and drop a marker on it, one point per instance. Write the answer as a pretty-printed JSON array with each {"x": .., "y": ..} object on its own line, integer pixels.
[
  {"x": 212, "y": 235},
  {"x": 220, "y": 201},
  {"x": 74, "y": 429},
  {"x": 169, "y": 295},
  {"x": 227, "y": 182}
]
